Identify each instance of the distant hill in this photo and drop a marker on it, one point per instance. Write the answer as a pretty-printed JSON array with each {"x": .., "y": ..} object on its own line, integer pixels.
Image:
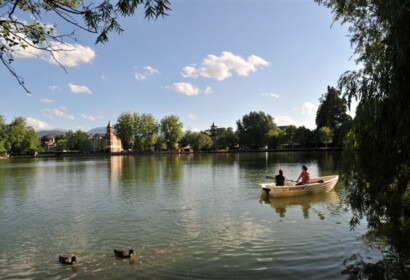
[
  {"x": 41, "y": 133},
  {"x": 97, "y": 130}
]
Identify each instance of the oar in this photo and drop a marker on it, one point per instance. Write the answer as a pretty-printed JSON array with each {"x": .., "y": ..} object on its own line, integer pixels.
[{"x": 273, "y": 178}]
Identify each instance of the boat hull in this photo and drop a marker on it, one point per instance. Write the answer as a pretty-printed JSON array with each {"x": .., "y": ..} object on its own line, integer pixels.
[{"x": 317, "y": 185}]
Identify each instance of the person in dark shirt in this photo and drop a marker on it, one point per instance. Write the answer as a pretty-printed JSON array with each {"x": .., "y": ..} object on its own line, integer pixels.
[{"x": 280, "y": 179}]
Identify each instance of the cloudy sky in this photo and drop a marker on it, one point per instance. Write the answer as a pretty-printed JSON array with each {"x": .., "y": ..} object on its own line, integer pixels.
[{"x": 209, "y": 61}]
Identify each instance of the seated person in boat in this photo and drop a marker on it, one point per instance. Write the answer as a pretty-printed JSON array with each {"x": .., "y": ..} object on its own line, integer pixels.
[
  {"x": 280, "y": 179},
  {"x": 304, "y": 175}
]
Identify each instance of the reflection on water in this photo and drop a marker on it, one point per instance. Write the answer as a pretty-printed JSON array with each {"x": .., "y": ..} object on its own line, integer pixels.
[
  {"x": 186, "y": 216},
  {"x": 330, "y": 200},
  {"x": 377, "y": 259}
]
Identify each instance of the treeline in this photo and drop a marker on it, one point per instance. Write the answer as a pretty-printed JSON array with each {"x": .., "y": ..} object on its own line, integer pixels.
[
  {"x": 144, "y": 133},
  {"x": 17, "y": 138},
  {"x": 256, "y": 130}
]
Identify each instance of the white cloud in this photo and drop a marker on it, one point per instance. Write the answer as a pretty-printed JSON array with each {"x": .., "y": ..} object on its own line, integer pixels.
[
  {"x": 224, "y": 66},
  {"x": 284, "y": 120},
  {"x": 148, "y": 71},
  {"x": 270, "y": 94},
  {"x": 54, "y": 88},
  {"x": 58, "y": 113},
  {"x": 185, "y": 88},
  {"x": 46, "y": 100},
  {"x": 66, "y": 54},
  {"x": 189, "y": 72},
  {"x": 208, "y": 90},
  {"x": 90, "y": 118},
  {"x": 309, "y": 108},
  {"x": 140, "y": 77},
  {"x": 192, "y": 117},
  {"x": 37, "y": 124},
  {"x": 79, "y": 89},
  {"x": 70, "y": 55}
]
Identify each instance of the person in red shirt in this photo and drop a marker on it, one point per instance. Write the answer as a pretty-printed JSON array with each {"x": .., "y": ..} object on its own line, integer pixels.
[{"x": 304, "y": 175}]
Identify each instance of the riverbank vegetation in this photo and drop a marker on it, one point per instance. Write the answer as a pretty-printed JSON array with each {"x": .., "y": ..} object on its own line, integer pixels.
[{"x": 376, "y": 151}]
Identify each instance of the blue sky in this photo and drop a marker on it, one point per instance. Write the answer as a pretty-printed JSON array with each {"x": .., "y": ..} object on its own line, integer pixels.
[{"x": 209, "y": 61}]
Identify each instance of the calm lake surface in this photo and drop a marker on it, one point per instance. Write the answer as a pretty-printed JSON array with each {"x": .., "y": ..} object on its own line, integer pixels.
[{"x": 186, "y": 216}]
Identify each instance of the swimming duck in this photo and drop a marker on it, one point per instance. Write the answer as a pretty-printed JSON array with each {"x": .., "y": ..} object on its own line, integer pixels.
[
  {"x": 123, "y": 254},
  {"x": 67, "y": 260}
]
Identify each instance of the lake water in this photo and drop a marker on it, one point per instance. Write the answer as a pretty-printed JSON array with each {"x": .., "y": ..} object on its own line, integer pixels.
[{"x": 186, "y": 216}]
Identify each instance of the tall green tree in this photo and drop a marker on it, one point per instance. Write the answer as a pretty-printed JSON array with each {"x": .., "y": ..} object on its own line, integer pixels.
[
  {"x": 21, "y": 139},
  {"x": 255, "y": 129},
  {"x": 146, "y": 132},
  {"x": 22, "y": 27},
  {"x": 4, "y": 143},
  {"x": 171, "y": 130},
  {"x": 377, "y": 154},
  {"x": 332, "y": 111},
  {"x": 16, "y": 134},
  {"x": 125, "y": 129}
]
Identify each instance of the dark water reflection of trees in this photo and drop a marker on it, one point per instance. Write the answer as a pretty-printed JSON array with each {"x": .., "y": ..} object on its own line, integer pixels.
[{"x": 381, "y": 258}]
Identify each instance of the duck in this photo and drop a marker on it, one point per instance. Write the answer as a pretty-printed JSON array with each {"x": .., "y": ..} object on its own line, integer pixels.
[
  {"x": 67, "y": 260},
  {"x": 123, "y": 254}
]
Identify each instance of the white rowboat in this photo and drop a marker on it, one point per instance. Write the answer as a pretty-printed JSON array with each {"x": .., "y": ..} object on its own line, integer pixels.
[{"x": 316, "y": 185}]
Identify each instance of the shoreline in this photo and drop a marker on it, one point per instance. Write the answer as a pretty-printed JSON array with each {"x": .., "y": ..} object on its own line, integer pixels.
[{"x": 102, "y": 154}]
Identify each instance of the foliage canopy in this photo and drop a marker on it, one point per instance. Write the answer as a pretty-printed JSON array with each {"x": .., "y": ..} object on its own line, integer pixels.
[
  {"x": 22, "y": 25},
  {"x": 377, "y": 157},
  {"x": 255, "y": 129}
]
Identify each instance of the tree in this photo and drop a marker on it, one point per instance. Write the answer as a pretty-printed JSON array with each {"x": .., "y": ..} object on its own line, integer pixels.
[
  {"x": 197, "y": 140},
  {"x": 19, "y": 139},
  {"x": 61, "y": 145},
  {"x": 325, "y": 135},
  {"x": 160, "y": 145},
  {"x": 332, "y": 110},
  {"x": 187, "y": 139},
  {"x": 227, "y": 138},
  {"x": 31, "y": 143},
  {"x": 255, "y": 129},
  {"x": 16, "y": 134},
  {"x": 288, "y": 135},
  {"x": 78, "y": 141},
  {"x": 146, "y": 131},
  {"x": 376, "y": 153},
  {"x": 125, "y": 129},
  {"x": 4, "y": 143},
  {"x": 304, "y": 136},
  {"x": 171, "y": 130},
  {"x": 22, "y": 28}
]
